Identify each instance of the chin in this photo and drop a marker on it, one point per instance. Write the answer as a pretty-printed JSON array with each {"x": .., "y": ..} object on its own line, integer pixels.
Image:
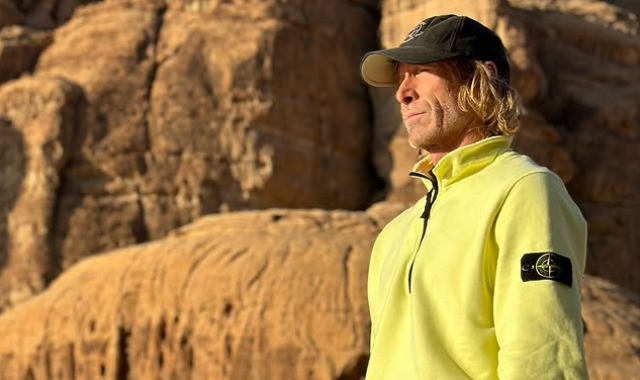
[{"x": 417, "y": 144}]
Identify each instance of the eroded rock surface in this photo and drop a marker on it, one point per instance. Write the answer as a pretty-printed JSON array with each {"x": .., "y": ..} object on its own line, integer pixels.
[
  {"x": 37, "y": 120},
  {"x": 193, "y": 108},
  {"x": 107, "y": 49},
  {"x": 276, "y": 294},
  {"x": 612, "y": 342},
  {"x": 185, "y": 121}
]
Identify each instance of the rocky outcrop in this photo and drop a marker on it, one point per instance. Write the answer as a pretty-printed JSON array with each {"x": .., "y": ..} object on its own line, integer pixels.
[
  {"x": 107, "y": 49},
  {"x": 185, "y": 121},
  {"x": 575, "y": 65},
  {"x": 195, "y": 108},
  {"x": 37, "y": 120},
  {"x": 276, "y": 294}
]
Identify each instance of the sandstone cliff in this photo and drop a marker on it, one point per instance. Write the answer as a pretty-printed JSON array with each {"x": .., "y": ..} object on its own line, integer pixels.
[{"x": 180, "y": 109}]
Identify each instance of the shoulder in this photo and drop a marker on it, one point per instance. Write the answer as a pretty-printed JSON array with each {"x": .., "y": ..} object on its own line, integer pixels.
[
  {"x": 528, "y": 177},
  {"x": 524, "y": 179},
  {"x": 511, "y": 169},
  {"x": 517, "y": 165},
  {"x": 532, "y": 186}
]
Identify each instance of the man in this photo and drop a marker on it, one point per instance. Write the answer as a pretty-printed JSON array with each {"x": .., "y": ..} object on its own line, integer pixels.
[{"x": 481, "y": 278}]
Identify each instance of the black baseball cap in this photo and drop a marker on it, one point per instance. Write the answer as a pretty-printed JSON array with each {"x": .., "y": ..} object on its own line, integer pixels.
[{"x": 435, "y": 39}]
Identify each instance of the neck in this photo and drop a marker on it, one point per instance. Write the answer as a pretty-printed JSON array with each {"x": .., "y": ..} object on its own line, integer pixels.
[{"x": 437, "y": 152}]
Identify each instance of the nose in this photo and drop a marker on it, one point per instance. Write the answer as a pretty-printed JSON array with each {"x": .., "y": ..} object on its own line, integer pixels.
[{"x": 406, "y": 93}]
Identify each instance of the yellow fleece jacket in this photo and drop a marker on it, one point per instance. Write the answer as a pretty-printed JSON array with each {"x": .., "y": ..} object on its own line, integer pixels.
[{"x": 481, "y": 278}]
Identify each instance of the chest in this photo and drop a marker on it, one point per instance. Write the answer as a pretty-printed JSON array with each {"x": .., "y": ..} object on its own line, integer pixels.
[{"x": 449, "y": 251}]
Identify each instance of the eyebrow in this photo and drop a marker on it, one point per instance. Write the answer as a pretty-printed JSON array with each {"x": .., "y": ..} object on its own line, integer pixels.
[{"x": 396, "y": 74}]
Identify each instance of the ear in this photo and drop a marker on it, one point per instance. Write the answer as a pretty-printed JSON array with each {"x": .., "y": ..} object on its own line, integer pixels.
[{"x": 492, "y": 68}]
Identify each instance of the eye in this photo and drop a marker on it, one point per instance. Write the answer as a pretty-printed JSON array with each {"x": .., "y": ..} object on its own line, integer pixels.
[{"x": 399, "y": 77}]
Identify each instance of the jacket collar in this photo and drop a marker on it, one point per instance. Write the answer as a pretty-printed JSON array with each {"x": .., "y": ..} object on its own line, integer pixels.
[{"x": 461, "y": 162}]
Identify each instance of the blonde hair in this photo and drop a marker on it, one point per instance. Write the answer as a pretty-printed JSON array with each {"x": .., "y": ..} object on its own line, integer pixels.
[{"x": 495, "y": 104}]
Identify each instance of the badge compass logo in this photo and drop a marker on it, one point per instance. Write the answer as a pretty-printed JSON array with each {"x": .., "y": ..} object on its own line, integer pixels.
[
  {"x": 416, "y": 32},
  {"x": 547, "y": 267}
]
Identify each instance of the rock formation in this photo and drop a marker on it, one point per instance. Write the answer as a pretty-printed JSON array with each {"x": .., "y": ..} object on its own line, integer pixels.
[
  {"x": 274, "y": 294},
  {"x": 37, "y": 120},
  {"x": 192, "y": 108},
  {"x": 255, "y": 295}
]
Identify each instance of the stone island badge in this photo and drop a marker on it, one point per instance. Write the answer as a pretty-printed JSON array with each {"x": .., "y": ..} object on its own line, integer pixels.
[{"x": 546, "y": 266}]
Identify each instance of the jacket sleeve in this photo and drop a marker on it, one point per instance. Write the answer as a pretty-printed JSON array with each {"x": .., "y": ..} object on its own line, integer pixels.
[{"x": 536, "y": 300}]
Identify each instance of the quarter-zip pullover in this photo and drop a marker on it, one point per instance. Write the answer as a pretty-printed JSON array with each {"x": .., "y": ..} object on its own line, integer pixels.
[{"x": 481, "y": 278}]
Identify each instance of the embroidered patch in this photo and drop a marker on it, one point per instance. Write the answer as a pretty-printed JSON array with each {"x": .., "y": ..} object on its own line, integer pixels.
[
  {"x": 546, "y": 266},
  {"x": 417, "y": 31}
]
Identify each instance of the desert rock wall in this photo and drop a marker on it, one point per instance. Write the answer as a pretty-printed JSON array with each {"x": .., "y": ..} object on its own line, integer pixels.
[{"x": 193, "y": 108}]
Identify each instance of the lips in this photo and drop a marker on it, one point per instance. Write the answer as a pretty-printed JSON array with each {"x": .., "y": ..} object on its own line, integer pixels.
[{"x": 411, "y": 115}]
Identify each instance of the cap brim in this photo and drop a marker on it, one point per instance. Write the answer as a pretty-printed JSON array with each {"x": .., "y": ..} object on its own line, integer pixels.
[{"x": 378, "y": 67}]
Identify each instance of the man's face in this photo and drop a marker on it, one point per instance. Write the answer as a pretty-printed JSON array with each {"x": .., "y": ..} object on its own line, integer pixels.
[{"x": 429, "y": 107}]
